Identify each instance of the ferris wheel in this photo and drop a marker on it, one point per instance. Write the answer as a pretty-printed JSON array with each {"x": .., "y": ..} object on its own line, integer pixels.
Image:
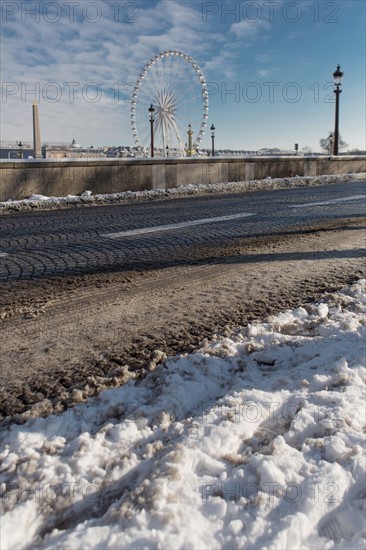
[{"x": 173, "y": 83}]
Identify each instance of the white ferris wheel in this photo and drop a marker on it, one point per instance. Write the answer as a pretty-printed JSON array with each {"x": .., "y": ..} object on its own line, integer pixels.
[{"x": 173, "y": 83}]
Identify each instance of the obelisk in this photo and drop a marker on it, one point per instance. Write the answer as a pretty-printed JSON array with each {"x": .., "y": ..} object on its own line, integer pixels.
[{"x": 37, "y": 146}]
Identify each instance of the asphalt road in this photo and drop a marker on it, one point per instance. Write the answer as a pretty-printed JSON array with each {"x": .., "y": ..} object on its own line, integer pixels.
[
  {"x": 85, "y": 304},
  {"x": 162, "y": 233}
]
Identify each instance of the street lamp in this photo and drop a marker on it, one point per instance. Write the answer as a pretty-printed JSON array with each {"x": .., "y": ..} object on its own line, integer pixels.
[
  {"x": 20, "y": 145},
  {"x": 331, "y": 141},
  {"x": 152, "y": 111},
  {"x": 190, "y": 134},
  {"x": 213, "y": 139},
  {"x": 337, "y": 76}
]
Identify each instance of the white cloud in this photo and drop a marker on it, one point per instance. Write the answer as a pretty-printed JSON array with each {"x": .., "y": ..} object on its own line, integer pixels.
[
  {"x": 247, "y": 30},
  {"x": 106, "y": 52},
  {"x": 264, "y": 72},
  {"x": 262, "y": 57}
]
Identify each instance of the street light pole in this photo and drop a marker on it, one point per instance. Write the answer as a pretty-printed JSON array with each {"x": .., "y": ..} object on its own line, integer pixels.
[
  {"x": 337, "y": 76},
  {"x": 213, "y": 140},
  {"x": 331, "y": 141},
  {"x": 20, "y": 145},
  {"x": 190, "y": 134},
  {"x": 152, "y": 111}
]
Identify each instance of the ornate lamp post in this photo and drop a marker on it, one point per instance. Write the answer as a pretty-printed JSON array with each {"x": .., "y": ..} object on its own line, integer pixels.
[
  {"x": 213, "y": 140},
  {"x": 331, "y": 141},
  {"x": 190, "y": 134},
  {"x": 20, "y": 145},
  {"x": 152, "y": 111},
  {"x": 337, "y": 75}
]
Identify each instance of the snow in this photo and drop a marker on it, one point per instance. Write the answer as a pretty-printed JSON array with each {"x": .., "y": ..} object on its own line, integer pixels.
[
  {"x": 256, "y": 440},
  {"x": 87, "y": 197}
]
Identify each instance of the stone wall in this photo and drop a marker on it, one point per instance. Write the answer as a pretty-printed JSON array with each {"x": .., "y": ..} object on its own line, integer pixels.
[{"x": 20, "y": 179}]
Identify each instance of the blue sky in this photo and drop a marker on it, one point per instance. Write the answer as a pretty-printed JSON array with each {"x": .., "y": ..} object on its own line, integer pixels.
[{"x": 268, "y": 67}]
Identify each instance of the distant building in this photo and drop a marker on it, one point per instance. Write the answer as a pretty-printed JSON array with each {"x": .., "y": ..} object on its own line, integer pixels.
[
  {"x": 12, "y": 151},
  {"x": 74, "y": 150}
]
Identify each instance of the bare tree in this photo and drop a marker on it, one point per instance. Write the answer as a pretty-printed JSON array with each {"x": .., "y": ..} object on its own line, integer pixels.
[{"x": 327, "y": 143}]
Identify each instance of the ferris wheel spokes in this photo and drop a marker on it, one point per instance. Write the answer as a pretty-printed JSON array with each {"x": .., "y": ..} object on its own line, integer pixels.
[{"x": 173, "y": 82}]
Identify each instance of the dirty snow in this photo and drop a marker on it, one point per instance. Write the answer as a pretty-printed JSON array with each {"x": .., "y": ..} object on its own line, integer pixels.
[
  {"x": 87, "y": 197},
  {"x": 256, "y": 440}
]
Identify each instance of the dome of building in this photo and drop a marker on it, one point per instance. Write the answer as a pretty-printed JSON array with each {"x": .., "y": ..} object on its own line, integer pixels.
[{"x": 75, "y": 145}]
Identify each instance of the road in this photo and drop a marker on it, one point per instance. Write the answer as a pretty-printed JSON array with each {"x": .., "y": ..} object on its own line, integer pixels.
[
  {"x": 162, "y": 233},
  {"x": 85, "y": 305}
]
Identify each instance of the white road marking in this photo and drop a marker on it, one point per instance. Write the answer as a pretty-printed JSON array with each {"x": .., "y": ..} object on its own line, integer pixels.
[
  {"x": 180, "y": 225},
  {"x": 331, "y": 201}
]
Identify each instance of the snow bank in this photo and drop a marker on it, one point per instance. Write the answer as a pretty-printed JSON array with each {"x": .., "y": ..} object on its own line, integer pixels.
[
  {"x": 41, "y": 201},
  {"x": 254, "y": 441}
]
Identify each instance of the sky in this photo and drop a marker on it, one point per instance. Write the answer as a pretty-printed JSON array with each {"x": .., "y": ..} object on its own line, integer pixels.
[{"x": 268, "y": 67}]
